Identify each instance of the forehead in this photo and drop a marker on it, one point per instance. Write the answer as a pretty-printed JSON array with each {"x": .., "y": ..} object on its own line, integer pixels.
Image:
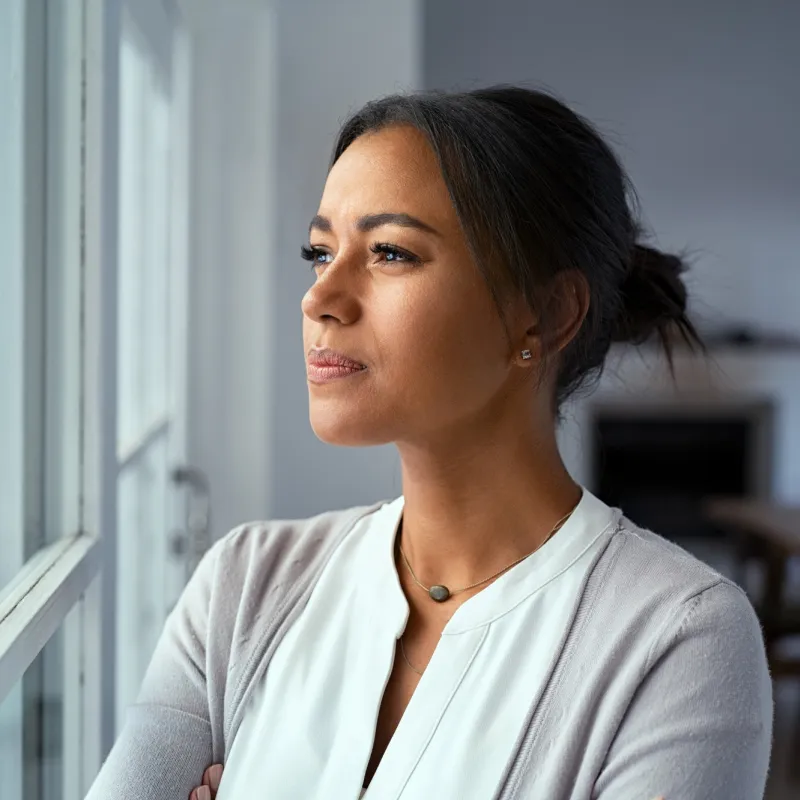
[{"x": 392, "y": 170}]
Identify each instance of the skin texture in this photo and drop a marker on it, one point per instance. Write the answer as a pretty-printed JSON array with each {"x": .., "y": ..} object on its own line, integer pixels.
[{"x": 445, "y": 381}]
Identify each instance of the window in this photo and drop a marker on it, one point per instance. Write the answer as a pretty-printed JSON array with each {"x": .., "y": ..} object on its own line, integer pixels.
[
  {"x": 38, "y": 733},
  {"x": 93, "y": 277},
  {"x": 150, "y": 340},
  {"x": 49, "y": 556}
]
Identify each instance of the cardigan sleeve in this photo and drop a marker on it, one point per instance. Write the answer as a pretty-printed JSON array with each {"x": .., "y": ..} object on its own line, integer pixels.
[
  {"x": 167, "y": 739},
  {"x": 699, "y": 726}
]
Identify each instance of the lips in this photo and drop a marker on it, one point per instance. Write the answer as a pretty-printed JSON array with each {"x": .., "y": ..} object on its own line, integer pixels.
[{"x": 325, "y": 365}]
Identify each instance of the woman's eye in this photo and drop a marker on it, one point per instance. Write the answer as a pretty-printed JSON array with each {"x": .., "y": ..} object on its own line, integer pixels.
[
  {"x": 315, "y": 255},
  {"x": 394, "y": 255},
  {"x": 389, "y": 253}
]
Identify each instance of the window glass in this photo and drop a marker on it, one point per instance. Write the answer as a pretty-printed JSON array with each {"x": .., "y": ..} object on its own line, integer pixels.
[{"x": 33, "y": 727}]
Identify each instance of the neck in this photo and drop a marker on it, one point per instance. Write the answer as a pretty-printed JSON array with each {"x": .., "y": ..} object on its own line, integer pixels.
[{"x": 475, "y": 507}]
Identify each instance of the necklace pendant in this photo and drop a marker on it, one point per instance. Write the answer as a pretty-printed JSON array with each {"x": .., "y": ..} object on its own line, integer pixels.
[{"x": 439, "y": 593}]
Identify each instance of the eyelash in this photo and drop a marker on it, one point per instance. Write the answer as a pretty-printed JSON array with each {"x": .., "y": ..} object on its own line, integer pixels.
[{"x": 312, "y": 253}]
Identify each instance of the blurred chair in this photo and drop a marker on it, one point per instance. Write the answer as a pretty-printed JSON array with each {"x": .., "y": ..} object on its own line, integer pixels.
[{"x": 770, "y": 534}]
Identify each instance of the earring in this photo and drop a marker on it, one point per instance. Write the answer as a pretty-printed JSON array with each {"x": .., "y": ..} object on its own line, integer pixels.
[{"x": 526, "y": 354}]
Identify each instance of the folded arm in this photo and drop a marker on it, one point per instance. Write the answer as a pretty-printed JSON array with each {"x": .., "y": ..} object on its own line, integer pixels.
[{"x": 166, "y": 742}]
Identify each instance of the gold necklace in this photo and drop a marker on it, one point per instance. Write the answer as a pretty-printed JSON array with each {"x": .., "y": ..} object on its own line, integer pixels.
[
  {"x": 405, "y": 658},
  {"x": 440, "y": 593}
]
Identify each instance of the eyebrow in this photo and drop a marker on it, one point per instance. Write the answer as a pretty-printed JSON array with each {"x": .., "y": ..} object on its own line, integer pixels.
[{"x": 371, "y": 221}]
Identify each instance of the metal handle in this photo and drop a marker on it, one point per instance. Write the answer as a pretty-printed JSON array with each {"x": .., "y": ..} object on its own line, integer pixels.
[{"x": 197, "y": 538}]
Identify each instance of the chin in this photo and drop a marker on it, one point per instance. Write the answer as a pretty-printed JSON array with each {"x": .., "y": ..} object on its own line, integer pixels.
[{"x": 347, "y": 427}]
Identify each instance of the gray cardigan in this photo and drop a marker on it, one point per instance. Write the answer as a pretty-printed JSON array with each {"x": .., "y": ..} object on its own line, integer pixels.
[{"x": 661, "y": 686}]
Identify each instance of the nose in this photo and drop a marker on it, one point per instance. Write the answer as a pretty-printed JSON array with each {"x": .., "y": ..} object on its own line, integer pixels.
[{"x": 333, "y": 297}]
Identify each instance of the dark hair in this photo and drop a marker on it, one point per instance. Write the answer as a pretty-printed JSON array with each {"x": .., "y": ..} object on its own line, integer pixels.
[{"x": 538, "y": 192}]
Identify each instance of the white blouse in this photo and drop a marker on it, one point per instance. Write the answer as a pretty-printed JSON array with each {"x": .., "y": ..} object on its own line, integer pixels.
[{"x": 309, "y": 730}]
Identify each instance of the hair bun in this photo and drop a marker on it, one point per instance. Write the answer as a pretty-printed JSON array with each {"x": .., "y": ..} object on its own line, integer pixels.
[{"x": 653, "y": 299}]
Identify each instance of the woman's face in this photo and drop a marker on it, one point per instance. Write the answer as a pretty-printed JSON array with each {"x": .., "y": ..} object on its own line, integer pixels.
[{"x": 397, "y": 291}]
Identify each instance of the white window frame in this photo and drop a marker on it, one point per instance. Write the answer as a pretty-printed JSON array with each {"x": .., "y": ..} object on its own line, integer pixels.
[
  {"x": 69, "y": 573},
  {"x": 36, "y": 602}
]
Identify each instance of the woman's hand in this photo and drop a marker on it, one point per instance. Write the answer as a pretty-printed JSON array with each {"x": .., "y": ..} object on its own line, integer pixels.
[{"x": 208, "y": 789}]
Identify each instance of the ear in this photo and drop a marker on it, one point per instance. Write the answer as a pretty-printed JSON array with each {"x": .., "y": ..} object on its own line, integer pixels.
[
  {"x": 566, "y": 304},
  {"x": 570, "y": 299},
  {"x": 524, "y": 333}
]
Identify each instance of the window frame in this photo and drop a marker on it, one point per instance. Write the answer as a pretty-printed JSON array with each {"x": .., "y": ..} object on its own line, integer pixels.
[
  {"x": 80, "y": 513},
  {"x": 74, "y": 221}
]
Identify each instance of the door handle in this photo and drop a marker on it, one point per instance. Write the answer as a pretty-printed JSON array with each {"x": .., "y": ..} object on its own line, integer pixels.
[{"x": 198, "y": 516}]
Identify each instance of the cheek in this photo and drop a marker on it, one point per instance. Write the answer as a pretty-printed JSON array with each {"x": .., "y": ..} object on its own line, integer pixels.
[{"x": 448, "y": 350}]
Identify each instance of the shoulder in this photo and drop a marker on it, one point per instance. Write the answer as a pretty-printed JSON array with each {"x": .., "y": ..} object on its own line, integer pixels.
[
  {"x": 254, "y": 540},
  {"x": 653, "y": 568},
  {"x": 277, "y": 553},
  {"x": 679, "y": 656},
  {"x": 659, "y": 593},
  {"x": 255, "y": 568},
  {"x": 652, "y": 615},
  {"x": 245, "y": 587}
]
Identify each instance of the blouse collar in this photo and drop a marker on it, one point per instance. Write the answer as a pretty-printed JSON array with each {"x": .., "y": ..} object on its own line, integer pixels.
[{"x": 591, "y": 520}]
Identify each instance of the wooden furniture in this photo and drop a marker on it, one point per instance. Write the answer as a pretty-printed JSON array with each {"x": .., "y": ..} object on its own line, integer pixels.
[{"x": 770, "y": 533}]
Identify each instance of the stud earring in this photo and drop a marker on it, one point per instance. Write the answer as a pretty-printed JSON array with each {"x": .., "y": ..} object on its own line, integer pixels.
[{"x": 526, "y": 354}]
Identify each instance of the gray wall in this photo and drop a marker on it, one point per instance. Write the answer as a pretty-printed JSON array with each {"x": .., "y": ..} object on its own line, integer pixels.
[
  {"x": 700, "y": 99},
  {"x": 332, "y": 58},
  {"x": 273, "y": 82},
  {"x": 232, "y": 232}
]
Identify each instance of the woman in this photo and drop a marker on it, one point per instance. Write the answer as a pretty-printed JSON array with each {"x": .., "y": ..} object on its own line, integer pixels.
[{"x": 497, "y": 632}]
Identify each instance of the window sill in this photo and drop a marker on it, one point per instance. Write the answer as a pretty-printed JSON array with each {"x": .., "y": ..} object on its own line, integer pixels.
[{"x": 35, "y": 604}]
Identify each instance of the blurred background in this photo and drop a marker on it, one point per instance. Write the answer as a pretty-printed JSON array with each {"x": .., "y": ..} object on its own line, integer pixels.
[{"x": 218, "y": 122}]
